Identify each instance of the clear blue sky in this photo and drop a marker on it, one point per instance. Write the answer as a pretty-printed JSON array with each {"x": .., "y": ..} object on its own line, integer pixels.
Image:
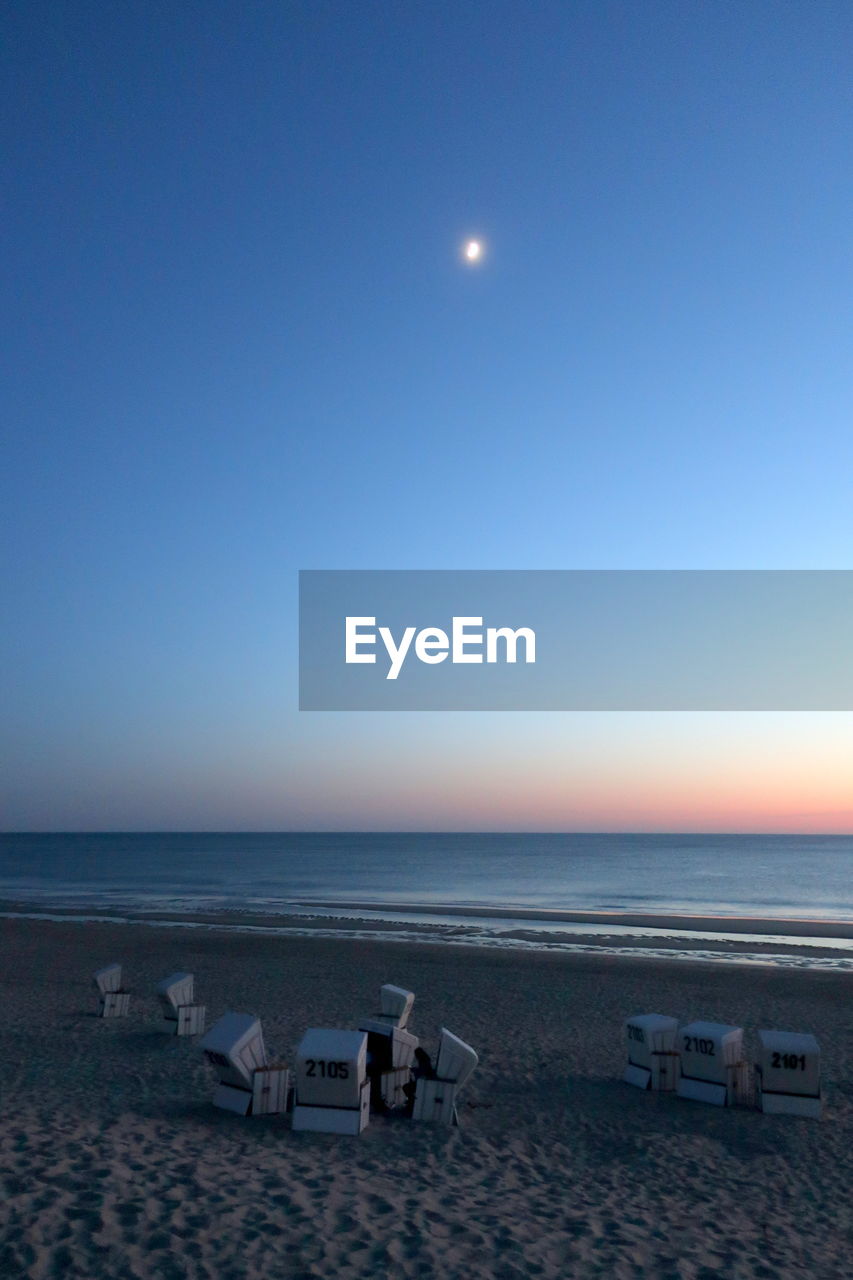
[{"x": 239, "y": 341}]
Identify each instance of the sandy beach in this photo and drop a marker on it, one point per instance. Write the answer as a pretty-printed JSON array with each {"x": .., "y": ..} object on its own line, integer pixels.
[{"x": 115, "y": 1164}]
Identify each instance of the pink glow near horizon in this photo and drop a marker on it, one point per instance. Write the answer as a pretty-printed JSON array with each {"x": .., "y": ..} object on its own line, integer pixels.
[{"x": 542, "y": 773}]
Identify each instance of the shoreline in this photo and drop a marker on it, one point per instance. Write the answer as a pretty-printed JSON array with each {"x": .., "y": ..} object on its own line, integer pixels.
[
  {"x": 792, "y": 926},
  {"x": 772, "y": 951},
  {"x": 685, "y": 922}
]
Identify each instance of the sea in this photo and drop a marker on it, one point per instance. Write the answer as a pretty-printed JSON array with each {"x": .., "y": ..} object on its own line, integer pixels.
[{"x": 476, "y": 889}]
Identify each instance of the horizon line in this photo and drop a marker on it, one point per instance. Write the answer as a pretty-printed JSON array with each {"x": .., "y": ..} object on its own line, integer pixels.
[{"x": 401, "y": 831}]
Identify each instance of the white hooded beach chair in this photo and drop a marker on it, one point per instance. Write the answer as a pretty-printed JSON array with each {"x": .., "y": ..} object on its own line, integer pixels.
[
  {"x": 248, "y": 1083},
  {"x": 181, "y": 1016},
  {"x": 788, "y": 1074},
  {"x": 332, "y": 1088},
  {"x": 711, "y": 1062},
  {"x": 114, "y": 1001},
  {"x": 395, "y": 1004},
  {"x": 390, "y": 1047},
  {"x": 652, "y": 1052},
  {"x": 435, "y": 1099}
]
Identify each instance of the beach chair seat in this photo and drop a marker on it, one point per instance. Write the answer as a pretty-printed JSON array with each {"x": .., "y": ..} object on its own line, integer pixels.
[
  {"x": 788, "y": 1074},
  {"x": 235, "y": 1047},
  {"x": 435, "y": 1099},
  {"x": 653, "y": 1061},
  {"x": 180, "y": 1015},
  {"x": 711, "y": 1059},
  {"x": 332, "y": 1091},
  {"x": 113, "y": 999}
]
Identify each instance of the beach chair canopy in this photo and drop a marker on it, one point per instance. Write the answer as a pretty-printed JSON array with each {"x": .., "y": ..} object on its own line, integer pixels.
[
  {"x": 456, "y": 1059},
  {"x": 330, "y": 1043},
  {"x": 108, "y": 979},
  {"x": 176, "y": 990},
  {"x": 788, "y": 1042},
  {"x": 235, "y": 1044},
  {"x": 396, "y": 1003}
]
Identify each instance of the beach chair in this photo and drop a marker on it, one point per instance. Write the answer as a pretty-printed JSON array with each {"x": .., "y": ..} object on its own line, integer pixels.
[
  {"x": 332, "y": 1091},
  {"x": 788, "y": 1074},
  {"x": 249, "y": 1084},
  {"x": 180, "y": 1015},
  {"x": 652, "y": 1052},
  {"x": 114, "y": 1000},
  {"x": 395, "y": 1004},
  {"x": 390, "y": 1048},
  {"x": 711, "y": 1063},
  {"x": 435, "y": 1099}
]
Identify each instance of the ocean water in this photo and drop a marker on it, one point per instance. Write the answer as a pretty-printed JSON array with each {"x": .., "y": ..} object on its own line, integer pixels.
[
  {"x": 727, "y": 875},
  {"x": 471, "y": 890}
]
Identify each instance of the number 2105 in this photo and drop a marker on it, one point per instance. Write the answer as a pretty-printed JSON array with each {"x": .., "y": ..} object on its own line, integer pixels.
[{"x": 326, "y": 1070}]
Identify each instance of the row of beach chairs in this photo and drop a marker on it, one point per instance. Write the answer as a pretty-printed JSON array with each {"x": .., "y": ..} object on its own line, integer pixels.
[{"x": 705, "y": 1062}]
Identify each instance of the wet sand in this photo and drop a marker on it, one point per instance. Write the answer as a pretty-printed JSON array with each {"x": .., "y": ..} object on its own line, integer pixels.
[{"x": 627, "y": 919}]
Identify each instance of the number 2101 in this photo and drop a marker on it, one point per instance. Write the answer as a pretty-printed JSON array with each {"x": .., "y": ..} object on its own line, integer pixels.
[{"x": 789, "y": 1061}]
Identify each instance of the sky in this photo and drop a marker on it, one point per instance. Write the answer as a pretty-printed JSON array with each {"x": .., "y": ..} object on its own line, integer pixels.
[{"x": 240, "y": 340}]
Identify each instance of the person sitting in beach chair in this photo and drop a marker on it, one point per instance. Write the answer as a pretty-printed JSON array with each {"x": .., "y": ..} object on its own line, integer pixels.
[
  {"x": 422, "y": 1069},
  {"x": 435, "y": 1096}
]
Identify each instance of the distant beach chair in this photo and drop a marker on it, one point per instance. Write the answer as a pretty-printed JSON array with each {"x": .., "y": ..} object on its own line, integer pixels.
[
  {"x": 390, "y": 1048},
  {"x": 181, "y": 1016},
  {"x": 435, "y": 1099},
  {"x": 653, "y": 1061},
  {"x": 332, "y": 1091},
  {"x": 249, "y": 1084},
  {"x": 395, "y": 1004},
  {"x": 788, "y": 1074},
  {"x": 712, "y": 1063},
  {"x": 114, "y": 1000}
]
